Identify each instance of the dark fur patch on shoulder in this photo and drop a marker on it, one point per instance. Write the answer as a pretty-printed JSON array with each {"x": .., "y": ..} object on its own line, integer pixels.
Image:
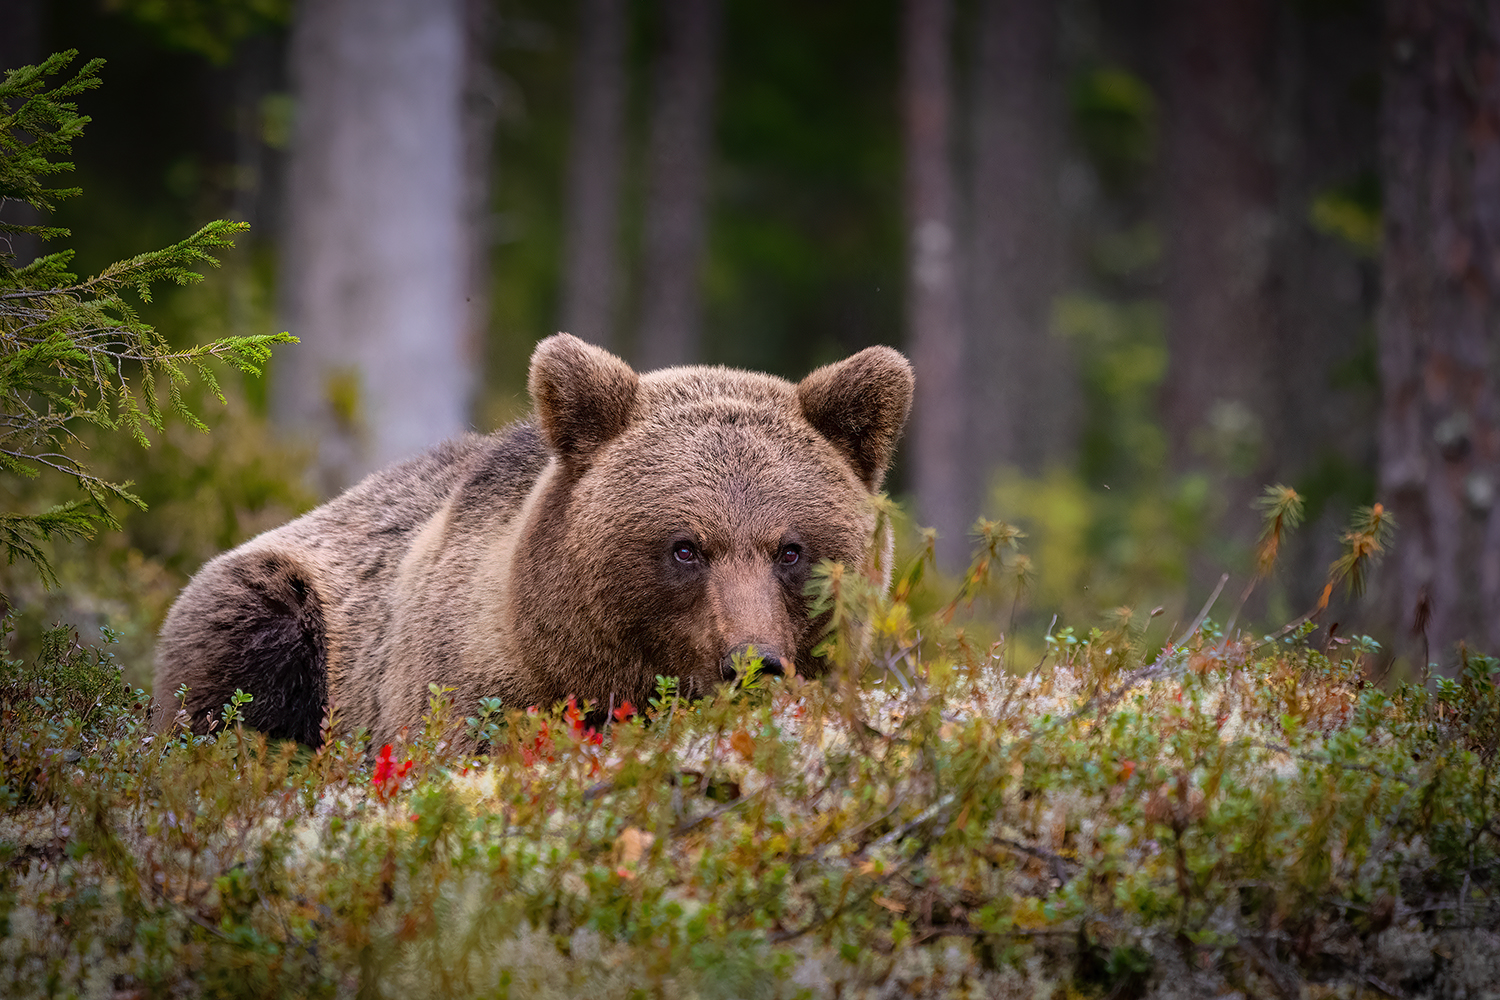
[{"x": 507, "y": 471}]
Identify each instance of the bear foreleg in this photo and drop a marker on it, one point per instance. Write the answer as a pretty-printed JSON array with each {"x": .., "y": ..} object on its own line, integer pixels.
[{"x": 251, "y": 621}]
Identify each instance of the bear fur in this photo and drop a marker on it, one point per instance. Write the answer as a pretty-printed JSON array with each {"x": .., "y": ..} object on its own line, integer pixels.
[{"x": 637, "y": 525}]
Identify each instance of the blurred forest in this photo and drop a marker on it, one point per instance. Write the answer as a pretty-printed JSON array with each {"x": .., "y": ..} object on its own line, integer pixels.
[{"x": 1148, "y": 257}]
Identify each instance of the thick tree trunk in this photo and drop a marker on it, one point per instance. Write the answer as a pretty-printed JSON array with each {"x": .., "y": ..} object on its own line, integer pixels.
[
  {"x": 1220, "y": 203},
  {"x": 934, "y": 310},
  {"x": 594, "y": 167},
  {"x": 374, "y": 264},
  {"x": 1023, "y": 383},
  {"x": 1439, "y": 322},
  {"x": 679, "y": 153}
]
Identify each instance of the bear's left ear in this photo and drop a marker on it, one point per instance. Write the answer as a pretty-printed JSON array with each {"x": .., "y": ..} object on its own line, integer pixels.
[
  {"x": 583, "y": 395},
  {"x": 860, "y": 404}
]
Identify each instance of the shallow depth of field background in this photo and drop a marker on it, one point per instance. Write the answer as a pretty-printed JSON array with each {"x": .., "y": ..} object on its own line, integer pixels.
[{"x": 1135, "y": 249}]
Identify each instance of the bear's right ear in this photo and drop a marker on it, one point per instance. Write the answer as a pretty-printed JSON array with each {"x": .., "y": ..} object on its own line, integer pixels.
[
  {"x": 860, "y": 404},
  {"x": 583, "y": 395}
]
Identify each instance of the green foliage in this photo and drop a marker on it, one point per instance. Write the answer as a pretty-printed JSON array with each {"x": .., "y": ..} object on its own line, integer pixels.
[
  {"x": 1116, "y": 117},
  {"x": 1351, "y": 213},
  {"x": 74, "y": 352},
  {"x": 209, "y": 27},
  {"x": 1281, "y": 506},
  {"x": 1231, "y": 813},
  {"x": 37, "y": 124},
  {"x": 70, "y": 692}
]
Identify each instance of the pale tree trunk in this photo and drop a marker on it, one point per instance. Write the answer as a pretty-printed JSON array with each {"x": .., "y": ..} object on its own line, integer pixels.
[
  {"x": 932, "y": 297},
  {"x": 1439, "y": 319},
  {"x": 374, "y": 267},
  {"x": 1024, "y": 404},
  {"x": 594, "y": 167},
  {"x": 1220, "y": 205},
  {"x": 678, "y": 156}
]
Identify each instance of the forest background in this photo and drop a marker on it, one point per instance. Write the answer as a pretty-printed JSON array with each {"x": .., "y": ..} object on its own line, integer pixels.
[{"x": 1147, "y": 257}]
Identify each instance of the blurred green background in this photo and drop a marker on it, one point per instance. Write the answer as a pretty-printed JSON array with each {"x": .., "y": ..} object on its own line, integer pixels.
[{"x": 1163, "y": 236}]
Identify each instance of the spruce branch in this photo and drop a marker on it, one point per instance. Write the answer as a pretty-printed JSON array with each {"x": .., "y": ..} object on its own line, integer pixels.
[
  {"x": 76, "y": 352},
  {"x": 37, "y": 124}
]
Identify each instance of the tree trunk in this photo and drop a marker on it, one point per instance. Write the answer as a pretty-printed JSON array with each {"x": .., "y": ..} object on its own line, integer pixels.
[
  {"x": 680, "y": 146},
  {"x": 1220, "y": 204},
  {"x": 1326, "y": 290},
  {"x": 933, "y": 306},
  {"x": 594, "y": 166},
  {"x": 1023, "y": 384},
  {"x": 374, "y": 265},
  {"x": 1439, "y": 328}
]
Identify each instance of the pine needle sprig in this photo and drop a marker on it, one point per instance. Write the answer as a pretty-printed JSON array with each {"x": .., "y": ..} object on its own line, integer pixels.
[
  {"x": 38, "y": 123},
  {"x": 1282, "y": 508},
  {"x": 995, "y": 539},
  {"x": 1368, "y": 537}
]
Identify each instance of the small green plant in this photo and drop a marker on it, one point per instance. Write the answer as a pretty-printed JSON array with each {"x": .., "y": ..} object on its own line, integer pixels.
[
  {"x": 233, "y": 713},
  {"x": 483, "y": 728}
]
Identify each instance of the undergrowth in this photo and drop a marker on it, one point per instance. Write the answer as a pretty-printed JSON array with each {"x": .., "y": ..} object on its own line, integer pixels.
[{"x": 1225, "y": 813}]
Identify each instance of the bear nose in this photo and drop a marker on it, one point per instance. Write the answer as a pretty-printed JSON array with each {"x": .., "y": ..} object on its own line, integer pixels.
[{"x": 771, "y": 660}]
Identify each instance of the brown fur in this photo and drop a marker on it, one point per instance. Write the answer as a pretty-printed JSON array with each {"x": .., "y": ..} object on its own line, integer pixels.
[{"x": 542, "y": 562}]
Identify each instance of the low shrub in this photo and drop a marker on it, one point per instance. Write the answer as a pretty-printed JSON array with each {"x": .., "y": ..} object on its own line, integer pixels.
[{"x": 1220, "y": 814}]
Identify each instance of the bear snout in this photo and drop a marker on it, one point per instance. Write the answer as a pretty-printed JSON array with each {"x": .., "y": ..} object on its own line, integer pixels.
[{"x": 771, "y": 660}]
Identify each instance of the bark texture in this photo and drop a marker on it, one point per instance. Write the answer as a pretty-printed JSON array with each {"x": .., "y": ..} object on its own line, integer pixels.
[
  {"x": 934, "y": 309},
  {"x": 1439, "y": 328},
  {"x": 1220, "y": 207},
  {"x": 679, "y": 153},
  {"x": 375, "y": 262},
  {"x": 594, "y": 167},
  {"x": 1023, "y": 385}
]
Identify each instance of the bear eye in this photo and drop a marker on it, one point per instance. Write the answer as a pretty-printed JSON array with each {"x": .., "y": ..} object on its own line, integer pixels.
[
  {"x": 685, "y": 552},
  {"x": 789, "y": 555}
]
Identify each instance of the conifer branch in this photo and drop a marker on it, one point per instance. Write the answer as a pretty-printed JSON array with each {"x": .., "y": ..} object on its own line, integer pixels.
[{"x": 76, "y": 351}]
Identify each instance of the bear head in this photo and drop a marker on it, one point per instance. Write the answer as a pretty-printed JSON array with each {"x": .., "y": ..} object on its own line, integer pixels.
[{"x": 684, "y": 511}]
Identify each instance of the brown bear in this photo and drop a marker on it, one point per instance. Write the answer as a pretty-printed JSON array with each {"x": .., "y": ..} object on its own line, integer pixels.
[{"x": 637, "y": 525}]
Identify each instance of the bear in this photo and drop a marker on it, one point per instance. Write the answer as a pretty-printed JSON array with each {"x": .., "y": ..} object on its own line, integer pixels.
[{"x": 635, "y": 525}]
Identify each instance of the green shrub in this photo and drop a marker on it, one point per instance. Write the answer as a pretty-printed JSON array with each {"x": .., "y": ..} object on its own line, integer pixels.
[{"x": 1230, "y": 812}]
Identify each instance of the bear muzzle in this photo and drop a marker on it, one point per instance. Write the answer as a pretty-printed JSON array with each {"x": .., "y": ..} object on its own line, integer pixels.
[{"x": 772, "y": 661}]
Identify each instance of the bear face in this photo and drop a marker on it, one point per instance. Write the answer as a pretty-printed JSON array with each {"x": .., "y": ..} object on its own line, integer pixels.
[
  {"x": 690, "y": 537},
  {"x": 687, "y": 510}
]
